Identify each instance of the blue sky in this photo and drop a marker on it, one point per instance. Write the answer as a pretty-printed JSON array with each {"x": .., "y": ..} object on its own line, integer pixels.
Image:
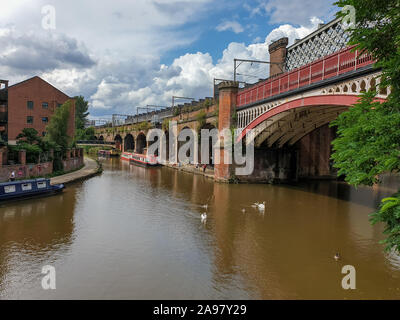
[{"x": 124, "y": 54}]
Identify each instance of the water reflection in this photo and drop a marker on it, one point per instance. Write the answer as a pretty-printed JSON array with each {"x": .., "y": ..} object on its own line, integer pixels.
[
  {"x": 31, "y": 232},
  {"x": 136, "y": 233}
]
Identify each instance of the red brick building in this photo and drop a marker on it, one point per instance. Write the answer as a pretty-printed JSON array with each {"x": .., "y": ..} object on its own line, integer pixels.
[{"x": 31, "y": 104}]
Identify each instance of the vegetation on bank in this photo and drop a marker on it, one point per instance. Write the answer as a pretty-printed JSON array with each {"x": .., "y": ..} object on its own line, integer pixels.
[
  {"x": 81, "y": 114},
  {"x": 51, "y": 147},
  {"x": 368, "y": 142}
]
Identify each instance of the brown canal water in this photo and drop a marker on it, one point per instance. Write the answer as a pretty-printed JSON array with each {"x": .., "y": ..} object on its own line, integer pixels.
[{"x": 135, "y": 233}]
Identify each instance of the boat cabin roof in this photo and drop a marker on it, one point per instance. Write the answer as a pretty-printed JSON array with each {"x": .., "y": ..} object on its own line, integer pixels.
[{"x": 23, "y": 181}]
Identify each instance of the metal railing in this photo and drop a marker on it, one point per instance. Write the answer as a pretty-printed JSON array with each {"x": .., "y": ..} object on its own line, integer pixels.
[{"x": 327, "y": 67}]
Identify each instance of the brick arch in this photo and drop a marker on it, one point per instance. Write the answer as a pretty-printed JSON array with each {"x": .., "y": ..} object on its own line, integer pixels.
[
  {"x": 129, "y": 142},
  {"x": 290, "y": 121},
  {"x": 118, "y": 141},
  {"x": 141, "y": 142}
]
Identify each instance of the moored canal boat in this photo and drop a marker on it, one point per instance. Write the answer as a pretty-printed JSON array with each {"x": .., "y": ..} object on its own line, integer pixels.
[
  {"x": 143, "y": 160},
  {"x": 108, "y": 153},
  {"x": 140, "y": 159},
  {"x": 126, "y": 156},
  {"x": 27, "y": 188}
]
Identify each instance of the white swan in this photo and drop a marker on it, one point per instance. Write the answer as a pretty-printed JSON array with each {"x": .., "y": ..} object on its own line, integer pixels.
[
  {"x": 205, "y": 206},
  {"x": 203, "y": 217},
  {"x": 244, "y": 210},
  {"x": 259, "y": 206}
]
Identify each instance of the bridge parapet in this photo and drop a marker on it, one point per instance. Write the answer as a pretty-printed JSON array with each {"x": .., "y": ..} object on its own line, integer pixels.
[{"x": 332, "y": 65}]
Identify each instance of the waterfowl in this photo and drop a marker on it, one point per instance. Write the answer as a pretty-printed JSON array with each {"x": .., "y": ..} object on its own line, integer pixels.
[
  {"x": 203, "y": 217},
  {"x": 336, "y": 256}
]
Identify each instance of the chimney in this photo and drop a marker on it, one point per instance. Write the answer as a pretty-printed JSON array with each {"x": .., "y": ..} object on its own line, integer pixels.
[{"x": 277, "y": 52}]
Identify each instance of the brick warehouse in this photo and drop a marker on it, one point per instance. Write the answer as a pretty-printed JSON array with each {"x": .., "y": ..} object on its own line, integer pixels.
[{"x": 30, "y": 104}]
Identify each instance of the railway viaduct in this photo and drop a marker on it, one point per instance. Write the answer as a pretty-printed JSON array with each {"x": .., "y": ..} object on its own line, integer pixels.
[{"x": 287, "y": 115}]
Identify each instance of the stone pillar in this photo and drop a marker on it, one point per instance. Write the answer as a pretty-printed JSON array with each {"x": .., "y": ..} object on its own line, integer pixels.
[
  {"x": 22, "y": 157},
  {"x": 68, "y": 154},
  {"x": 227, "y": 105},
  {"x": 277, "y": 54},
  {"x": 173, "y": 142},
  {"x": 1, "y": 158}
]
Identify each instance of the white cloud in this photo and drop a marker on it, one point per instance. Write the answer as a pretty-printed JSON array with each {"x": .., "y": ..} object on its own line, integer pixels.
[
  {"x": 126, "y": 41},
  {"x": 234, "y": 26},
  {"x": 191, "y": 74}
]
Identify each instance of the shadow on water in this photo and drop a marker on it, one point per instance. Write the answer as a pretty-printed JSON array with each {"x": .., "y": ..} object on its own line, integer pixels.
[{"x": 364, "y": 195}]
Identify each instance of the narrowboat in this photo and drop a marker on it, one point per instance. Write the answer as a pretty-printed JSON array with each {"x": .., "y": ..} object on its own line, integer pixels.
[
  {"x": 108, "y": 153},
  {"x": 140, "y": 159},
  {"x": 126, "y": 156},
  {"x": 28, "y": 188}
]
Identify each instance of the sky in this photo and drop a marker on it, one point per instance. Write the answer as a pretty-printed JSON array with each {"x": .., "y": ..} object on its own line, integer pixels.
[{"x": 124, "y": 54}]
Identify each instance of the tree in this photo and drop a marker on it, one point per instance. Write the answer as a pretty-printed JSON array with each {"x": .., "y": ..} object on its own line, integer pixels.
[
  {"x": 29, "y": 135},
  {"x": 368, "y": 142},
  {"x": 81, "y": 112},
  {"x": 85, "y": 134},
  {"x": 58, "y": 126}
]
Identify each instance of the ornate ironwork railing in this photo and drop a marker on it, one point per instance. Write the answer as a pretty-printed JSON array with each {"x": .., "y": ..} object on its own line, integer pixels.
[{"x": 327, "y": 67}]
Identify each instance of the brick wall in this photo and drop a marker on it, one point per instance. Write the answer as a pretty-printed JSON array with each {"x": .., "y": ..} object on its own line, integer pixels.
[
  {"x": 38, "y": 91},
  {"x": 26, "y": 171},
  {"x": 74, "y": 160},
  {"x": 277, "y": 54}
]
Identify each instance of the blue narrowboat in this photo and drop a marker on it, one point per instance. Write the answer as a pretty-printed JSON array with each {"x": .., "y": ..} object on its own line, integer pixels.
[{"x": 27, "y": 188}]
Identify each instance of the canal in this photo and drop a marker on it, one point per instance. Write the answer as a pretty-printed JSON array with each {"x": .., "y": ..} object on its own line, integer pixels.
[{"x": 135, "y": 233}]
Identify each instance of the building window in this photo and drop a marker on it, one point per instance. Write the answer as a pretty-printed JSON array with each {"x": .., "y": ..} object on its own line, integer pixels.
[
  {"x": 43, "y": 133},
  {"x": 45, "y": 119},
  {"x": 29, "y": 119},
  {"x": 45, "y": 105},
  {"x": 30, "y": 104},
  {"x": 59, "y": 105}
]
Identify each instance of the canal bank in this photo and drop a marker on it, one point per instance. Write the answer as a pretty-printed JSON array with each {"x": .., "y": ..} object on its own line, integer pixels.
[
  {"x": 90, "y": 169},
  {"x": 208, "y": 173}
]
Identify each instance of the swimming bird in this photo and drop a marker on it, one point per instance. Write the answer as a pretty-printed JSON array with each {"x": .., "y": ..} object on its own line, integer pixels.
[
  {"x": 243, "y": 210},
  {"x": 203, "y": 217},
  {"x": 336, "y": 256},
  {"x": 259, "y": 206},
  {"x": 205, "y": 206}
]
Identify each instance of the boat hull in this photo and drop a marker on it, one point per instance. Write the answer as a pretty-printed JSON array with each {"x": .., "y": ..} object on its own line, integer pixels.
[
  {"x": 31, "y": 194},
  {"x": 143, "y": 164}
]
